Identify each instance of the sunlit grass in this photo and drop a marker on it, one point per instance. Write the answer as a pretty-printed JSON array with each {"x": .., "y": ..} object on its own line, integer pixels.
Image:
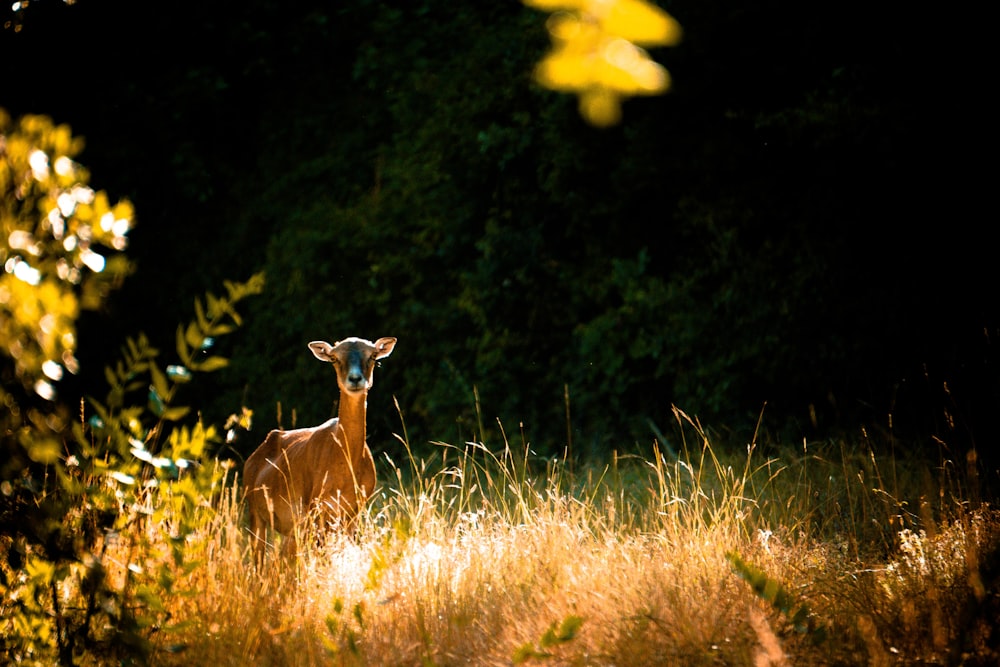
[{"x": 480, "y": 556}]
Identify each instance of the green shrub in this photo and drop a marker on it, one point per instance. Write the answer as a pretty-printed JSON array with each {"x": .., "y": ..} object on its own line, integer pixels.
[{"x": 132, "y": 468}]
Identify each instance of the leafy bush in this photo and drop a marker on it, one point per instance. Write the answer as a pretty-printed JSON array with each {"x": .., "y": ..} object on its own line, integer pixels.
[
  {"x": 133, "y": 474},
  {"x": 129, "y": 469}
]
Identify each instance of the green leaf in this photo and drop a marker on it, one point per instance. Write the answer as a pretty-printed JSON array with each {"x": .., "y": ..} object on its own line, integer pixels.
[
  {"x": 183, "y": 349},
  {"x": 562, "y": 632},
  {"x": 222, "y": 329},
  {"x": 159, "y": 381},
  {"x": 193, "y": 336},
  {"x": 132, "y": 349},
  {"x": 156, "y": 403},
  {"x": 211, "y": 364},
  {"x": 527, "y": 651},
  {"x": 175, "y": 414},
  {"x": 45, "y": 451},
  {"x": 359, "y": 614},
  {"x": 772, "y": 591},
  {"x": 569, "y": 627},
  {"x": 801, "y": 618},
  {"x": 149, "y": 598},
  {"x": 203, "y": 324}
]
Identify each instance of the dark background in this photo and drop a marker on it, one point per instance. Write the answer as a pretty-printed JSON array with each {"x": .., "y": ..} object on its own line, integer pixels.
[{"x": 801, "y": 223}]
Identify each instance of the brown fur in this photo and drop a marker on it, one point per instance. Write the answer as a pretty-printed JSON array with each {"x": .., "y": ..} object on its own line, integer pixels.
[{"x": 329, "y": 467}]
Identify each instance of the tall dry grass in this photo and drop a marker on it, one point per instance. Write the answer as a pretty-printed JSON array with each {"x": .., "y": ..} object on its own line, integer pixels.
[{"x": 824, "y": 555}]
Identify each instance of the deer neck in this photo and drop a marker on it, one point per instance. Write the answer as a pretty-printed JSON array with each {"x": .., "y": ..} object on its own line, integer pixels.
[{"x": 351, "y": 420}]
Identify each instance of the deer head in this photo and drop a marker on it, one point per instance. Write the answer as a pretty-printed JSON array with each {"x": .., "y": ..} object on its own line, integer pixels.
[{"x": 354, "y": 360}]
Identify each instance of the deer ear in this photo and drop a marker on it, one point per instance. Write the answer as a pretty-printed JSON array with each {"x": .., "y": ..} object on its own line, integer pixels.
[
  {"x": 322, "y": 350},
  {"x": 383, "y": 347}
]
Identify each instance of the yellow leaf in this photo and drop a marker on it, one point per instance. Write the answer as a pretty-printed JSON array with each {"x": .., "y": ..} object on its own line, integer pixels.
[
  {"x": 44, "y": 450},
  {"x": 641, "y": 22},
  {"x": 566, "y": 71},
  {"x": 209, "y": 364},
  {"x": 193, "y": 335},
  {"x": 600, "y": 107},
  {"x": 175, "y": 414},
  {"x": 627, "y": 69},
  {"x": 570, "y": 31}
]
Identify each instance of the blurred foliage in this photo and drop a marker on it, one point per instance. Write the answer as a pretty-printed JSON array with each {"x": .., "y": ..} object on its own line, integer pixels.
[
  {"x": 596, "y": 54},
  {"x": 60, "y": 249},
  {"x": 72, "y": 488}
]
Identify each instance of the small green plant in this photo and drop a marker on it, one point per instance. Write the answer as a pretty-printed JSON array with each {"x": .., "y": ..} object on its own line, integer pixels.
[
  {"x": 557, "y": 634},
  {"x": 344, "y": 631},
  {"x": 777, "y": 595}
]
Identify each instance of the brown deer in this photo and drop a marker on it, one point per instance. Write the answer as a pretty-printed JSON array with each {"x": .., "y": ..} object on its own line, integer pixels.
[{"x": 329, "y": 467}]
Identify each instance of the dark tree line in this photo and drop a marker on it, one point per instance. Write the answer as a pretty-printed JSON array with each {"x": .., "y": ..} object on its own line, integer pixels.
[{"x": 791, "y": 225}]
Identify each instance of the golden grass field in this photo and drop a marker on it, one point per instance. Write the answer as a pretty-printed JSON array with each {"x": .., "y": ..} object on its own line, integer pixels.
[{"x": 823, "y": 554}]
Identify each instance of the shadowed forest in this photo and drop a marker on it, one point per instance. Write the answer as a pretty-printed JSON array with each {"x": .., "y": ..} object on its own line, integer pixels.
[{"x": 790, "y": 226}]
